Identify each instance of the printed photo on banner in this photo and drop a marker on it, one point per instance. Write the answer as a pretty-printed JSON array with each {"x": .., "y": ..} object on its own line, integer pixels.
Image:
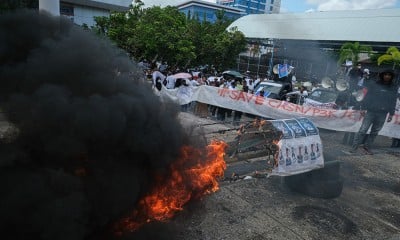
[
  {"x": 297, "y": 129},
  {"x": 308, "y": 126},
  {"x": 299, "y": 155},
  {"x": 281, "y": 125}
]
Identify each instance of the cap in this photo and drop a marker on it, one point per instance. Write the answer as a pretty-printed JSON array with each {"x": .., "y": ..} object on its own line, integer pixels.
[{"x": 366, "y": 71}]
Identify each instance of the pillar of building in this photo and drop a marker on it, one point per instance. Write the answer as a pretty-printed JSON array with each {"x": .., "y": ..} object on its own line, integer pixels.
[{"x": 51, "y": 6}]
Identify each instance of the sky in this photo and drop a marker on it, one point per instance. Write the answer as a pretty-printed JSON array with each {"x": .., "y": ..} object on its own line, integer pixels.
[{"x": 330, "y": 5}]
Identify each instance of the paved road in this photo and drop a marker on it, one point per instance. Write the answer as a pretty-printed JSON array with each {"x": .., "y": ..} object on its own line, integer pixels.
[{"x": 264, "y": 208}]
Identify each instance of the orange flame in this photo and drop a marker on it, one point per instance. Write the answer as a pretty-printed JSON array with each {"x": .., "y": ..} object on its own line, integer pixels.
[{"x": 193, "y": 175}]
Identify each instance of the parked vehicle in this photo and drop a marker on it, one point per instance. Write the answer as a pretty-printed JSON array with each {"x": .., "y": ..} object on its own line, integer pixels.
[
  {"x": 273, "y": 89},
  {"x": 297, "y": 96},
  {"x": 322, "y": 98}
]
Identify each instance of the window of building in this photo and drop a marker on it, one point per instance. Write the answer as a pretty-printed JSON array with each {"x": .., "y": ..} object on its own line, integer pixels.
[
  {"x": 66, "y": 10},
  {"x": 272, "y": 1},
  {"x": 271, "y": 8}
]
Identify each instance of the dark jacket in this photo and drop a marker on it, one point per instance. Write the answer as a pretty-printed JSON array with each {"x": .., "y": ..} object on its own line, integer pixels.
[
  {"x": 380, "y": 97},
  {"x": 355, "y": 74}
]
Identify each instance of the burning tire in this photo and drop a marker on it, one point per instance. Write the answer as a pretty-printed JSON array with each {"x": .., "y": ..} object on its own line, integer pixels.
[{"x": 321, "y": 183}]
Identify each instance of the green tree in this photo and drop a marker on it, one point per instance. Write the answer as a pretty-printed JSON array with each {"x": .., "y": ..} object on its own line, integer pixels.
[
  {"x": 227, "y": 47},
  {"x": 152, "y": 33},
  {"x": 120, "y": 27},
  {"x": 352, "y": 51},
  {"x": 214, "y": 43},
  {"x": 165, "y": 34},
  {"x": 392, "y": 56}
]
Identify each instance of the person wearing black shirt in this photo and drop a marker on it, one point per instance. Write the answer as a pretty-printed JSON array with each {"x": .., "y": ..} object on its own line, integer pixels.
[{"x": 379, "y": 101}]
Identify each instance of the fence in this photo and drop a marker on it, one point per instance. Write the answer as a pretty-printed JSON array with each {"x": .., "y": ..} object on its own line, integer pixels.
[{"x": 305, "y": 70}]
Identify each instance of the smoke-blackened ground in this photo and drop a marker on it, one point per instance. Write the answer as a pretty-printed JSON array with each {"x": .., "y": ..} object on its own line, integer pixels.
[{"x": 90, "y": 135}]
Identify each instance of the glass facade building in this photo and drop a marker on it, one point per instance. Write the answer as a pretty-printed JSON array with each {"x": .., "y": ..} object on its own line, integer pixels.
[
  {"x": 254, "y": 6},
  {"x": 205, "y": 11}
]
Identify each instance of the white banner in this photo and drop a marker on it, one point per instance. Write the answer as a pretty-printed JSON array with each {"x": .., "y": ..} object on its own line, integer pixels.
[
  {"x": 300, "y": 149},
  {"x": 339, "y": 120}
]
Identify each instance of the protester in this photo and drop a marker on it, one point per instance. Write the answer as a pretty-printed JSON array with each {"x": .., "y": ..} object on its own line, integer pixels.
[
  {"x": 222, "y": 112},
  {"x": 170, "y": 81},
  {"x": 379, "y": 101},
  {"x": 298, "y": 96},
  {"x": 354, "y": 75},
  {"x": 250, "y": 83},
  {"x": 237, "y": 115},
  {"x": 196, "y": 74},
  {"x": 201, "y": 109},
  {"x": 162, "y": 67},
  {"x": 363, "y": 79},
  {"x": 184, "y": 94},
  {"x": 212, "y": 108},
  {"x": 157, "y": 78},
  {"x": 293, "y": 79}
]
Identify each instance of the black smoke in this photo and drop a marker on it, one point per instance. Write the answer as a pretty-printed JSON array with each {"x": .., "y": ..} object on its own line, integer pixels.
[
  {"x": 312, "y": 60},
  {"x": 89, "y": 132}
]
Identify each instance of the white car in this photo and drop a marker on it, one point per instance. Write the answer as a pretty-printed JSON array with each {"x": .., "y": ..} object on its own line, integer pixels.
[
  {"x": 272, "y": 89},
  {"x": 322, "y": 98}
]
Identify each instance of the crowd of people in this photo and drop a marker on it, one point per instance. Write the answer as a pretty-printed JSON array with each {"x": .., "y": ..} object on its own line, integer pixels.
[
  {"x": 374, "y": 96},
  {"x": 183, "y": 81}
]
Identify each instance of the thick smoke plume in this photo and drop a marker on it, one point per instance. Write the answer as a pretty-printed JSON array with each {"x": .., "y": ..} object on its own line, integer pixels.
[{"x": 90, "y": 135}]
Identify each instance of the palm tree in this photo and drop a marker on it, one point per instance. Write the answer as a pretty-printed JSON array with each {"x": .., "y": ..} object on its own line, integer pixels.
[
  {"x": 352, "y": 51},
  {"x": 392, "y": 56}
]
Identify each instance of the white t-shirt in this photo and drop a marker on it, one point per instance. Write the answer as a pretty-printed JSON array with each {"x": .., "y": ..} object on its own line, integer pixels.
[
  {"x": 170, "y": 82},
  {"x": 158, "y": 74},
  {"x": 294, "y": 80},
  {"x": 194, "y": 83}
]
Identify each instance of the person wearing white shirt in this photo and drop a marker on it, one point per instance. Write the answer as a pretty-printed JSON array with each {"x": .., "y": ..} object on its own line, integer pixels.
[
  {"x": 184, "y": 94},
  {"x": 170, "y": 82},
  {"x": 158, "y": 78},
  {"x": 194, "y": 83},
  {"x": 294, "y": 80},
  {"x": 364, "y": 78},
  {"x": 301, "y": 93},
  {"x": 250, "y": 84}
]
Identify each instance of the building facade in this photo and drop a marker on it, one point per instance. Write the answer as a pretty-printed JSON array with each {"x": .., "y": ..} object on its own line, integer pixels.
[
  {"x": 83, "y": 11},
  {"x": 254, "y": 6},
  {"x": 206, "y": 11},
  {"x": 310, "y": 41}
]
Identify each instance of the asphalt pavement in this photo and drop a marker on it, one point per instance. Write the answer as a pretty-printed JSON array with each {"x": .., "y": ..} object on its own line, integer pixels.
[
  {"x": 263, "y": 207},
  {"x": 257, "y": 206}
]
